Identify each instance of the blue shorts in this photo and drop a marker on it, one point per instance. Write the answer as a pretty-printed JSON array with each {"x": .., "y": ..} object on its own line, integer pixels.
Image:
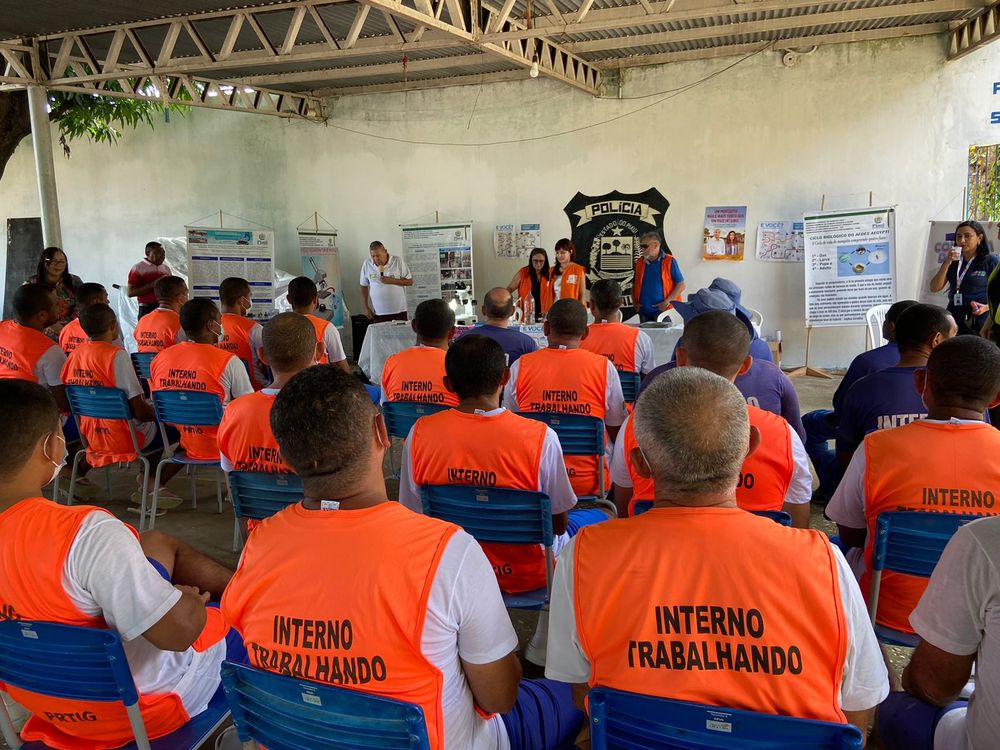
[
  {"x": 907, "y": 723},
  {"x": 544, "y": 716},
  {"x": 584, "y": 517}
]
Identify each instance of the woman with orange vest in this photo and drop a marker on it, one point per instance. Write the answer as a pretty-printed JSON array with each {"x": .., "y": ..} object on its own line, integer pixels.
[
  {"x": 417, "y": 373},
  {"x": 775, "y": 476},
  {"x": 763, "y": 618},
  {"x": 79, "y": 565},
  {"x": 303, "y": 296},
  {"x": 567, "y": 280},
  {"x": 243, "y": 334},
  {"x": 161, "y": 328},
  {"x": 945, "y": 463},
  {"x": 436, "y": 633},
  {"x": 532, "y": 283}
]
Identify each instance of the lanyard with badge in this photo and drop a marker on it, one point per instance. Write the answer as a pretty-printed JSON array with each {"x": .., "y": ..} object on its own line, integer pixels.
[{"x": 956, "y": 298}]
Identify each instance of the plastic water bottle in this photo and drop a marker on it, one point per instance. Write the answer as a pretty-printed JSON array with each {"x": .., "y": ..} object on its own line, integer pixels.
[{"x": 531, "y": 310}]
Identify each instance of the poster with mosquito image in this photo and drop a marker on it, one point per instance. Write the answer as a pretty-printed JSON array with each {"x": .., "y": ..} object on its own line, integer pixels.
[{"x": 321, "y": 263}]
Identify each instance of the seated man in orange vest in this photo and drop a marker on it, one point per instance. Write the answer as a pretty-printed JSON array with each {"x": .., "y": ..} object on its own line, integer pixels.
[
  {"x": 481, "y": 443},
  {"x": 775, "y": 476},
  {"x": 199, "y": 365},
  {"x": 303, "y": 296},
  {"x": 97, "y": 361},
  {"x": 567, "y": 379},
  {"x": 946, "y": 463},
  {"x": 732, "y": 610},
  {"x": 72, "y": 334},
  {"x": 25, "y": 352},
  {"x": 242, "y": 334},
  {"x": 417, "y": 373},
  {"x": 161, "y": 328},
  {"x": 627, "y": 347},
  {"x": 246, "y": 442},
  {"x": 439, "y": 636},
  {"x": 87, "y": 568}
]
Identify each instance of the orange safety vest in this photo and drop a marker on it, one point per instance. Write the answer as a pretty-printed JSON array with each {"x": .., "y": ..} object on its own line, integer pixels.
[
  {"x": 959, "y": 472},
  {"x": 237, "y": 342},
  {"x": 192, "y": 367},
  {"x": 245, "y": 435},
  {"x": 72, "y": 336},
  {"x": 319, "y": 324},
  {"x": 157, "y": 330},
  {"x": 417, "y": 374},
  {"x": 505, "y": 450},
  {"x": 574, "y": 282},
  {"x": 92, "y": 363},
  {"x": 616, "y": 341},
  {"x": 567, "y": 381},
  {"x": 730, "y": 634},
  {"x": 360, "y": 631},
  {"x": 544, "y": 290},
  {"x": 764, "y": 477},
  {"x": 36, "y": 536},
  {"x": 20, "y": 349},
  {"x": 640, "y": 270}
]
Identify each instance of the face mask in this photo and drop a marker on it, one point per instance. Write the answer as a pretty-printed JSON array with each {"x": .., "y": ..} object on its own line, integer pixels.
[
  {"x": 222, "y": 332},
  {"x": 57, "y": 465}
]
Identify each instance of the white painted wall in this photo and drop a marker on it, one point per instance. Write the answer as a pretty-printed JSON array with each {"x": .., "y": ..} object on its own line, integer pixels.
[{"x": 889, "y": 117}]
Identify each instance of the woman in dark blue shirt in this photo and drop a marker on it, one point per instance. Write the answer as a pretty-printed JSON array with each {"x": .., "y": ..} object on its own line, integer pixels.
[{"x": 965, "y": 270}]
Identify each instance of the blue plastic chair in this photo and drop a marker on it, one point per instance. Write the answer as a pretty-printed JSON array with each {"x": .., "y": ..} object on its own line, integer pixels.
[
  {"x": 87, "y": 664},
  {"x": 258, "y": 495},
  {"x": 184, "y": 409},
  {"x": 285, "y": 713},
  {"x": 631, "y": 721},
  {"x": 142, "y": 361},
  {"x": 630, "y": 385},
  {"x": 908, "y": 542},
  {"x": 399, "y": 419},
  {"x": 778, "y": 516},
  {"x": 504, "y": 516}
]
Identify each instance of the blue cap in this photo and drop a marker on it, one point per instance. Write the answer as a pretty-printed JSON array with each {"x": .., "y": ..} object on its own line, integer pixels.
[
  {"x": 731, "y": 290},
  {"x": 708, "y": 300}
]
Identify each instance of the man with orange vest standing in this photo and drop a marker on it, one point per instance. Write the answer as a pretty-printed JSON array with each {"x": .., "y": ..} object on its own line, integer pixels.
[
  {"x": 627, "y": 347},
  {"x": 25, "y": 352},
  {"x": 160, "y": 329},
  {"x": 79, "y": 565},
  {"x": 946, "y": 463},
  {"x": 72, "y": 334},
  {"x": 303, "y": 296},
  {"x": 438, "y": 635},
  {"x": 246, "y": 442},
  {"x": 721, "y": 616},
  {"x": 658, "y": 280},
  {"x": 199, "y": 365},
  {"x": 417, "y": 373},
  {"x": 775, "y": 476},
  {"x": 565, "y": 378},
  {"x": 243, "y": 334}
]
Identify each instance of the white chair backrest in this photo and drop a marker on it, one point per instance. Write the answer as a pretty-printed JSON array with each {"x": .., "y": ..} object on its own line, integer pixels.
[
  {"x": 756, "y": 318},
  {"x": 875, "y": 318},
  {"x": 663, "y": 316}
]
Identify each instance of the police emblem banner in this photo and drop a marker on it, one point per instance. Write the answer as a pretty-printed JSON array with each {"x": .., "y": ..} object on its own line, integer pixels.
[{"x": 606, "y": 231}]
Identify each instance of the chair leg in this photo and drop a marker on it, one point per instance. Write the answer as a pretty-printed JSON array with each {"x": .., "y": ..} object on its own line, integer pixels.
[
  {"x": 72, "y": 477},
  {"x": 194, "y": 487},
  {"x": 10, "y": 736},
  {"x": 218, "y": 488},
  {"x": 144, "y": 492},
  {"x": 156, "y": 496},
  {"x": 236, "y": 535}
]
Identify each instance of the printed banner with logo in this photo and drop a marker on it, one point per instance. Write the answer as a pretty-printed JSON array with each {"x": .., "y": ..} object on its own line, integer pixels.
[
  {"x": 214, "y": 254},
  {"x": 606, "y": 230},
  {"x": 321, "y": 263}
]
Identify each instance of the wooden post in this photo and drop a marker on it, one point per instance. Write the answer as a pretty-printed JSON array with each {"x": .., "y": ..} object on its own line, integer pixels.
[
  {"x": 221, "y": 225},
  {"x": 813, "y": 372}
]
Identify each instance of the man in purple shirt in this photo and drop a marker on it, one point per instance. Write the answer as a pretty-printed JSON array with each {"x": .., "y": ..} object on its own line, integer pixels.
[
  {"x": 821, "y": 425},
  {"x": 889, "y": 398},
  {"x": 498, "y": 306}
]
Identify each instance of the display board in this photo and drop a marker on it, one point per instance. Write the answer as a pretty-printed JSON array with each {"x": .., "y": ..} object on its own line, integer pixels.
[
  {"x": 24, "y": 248},
  {"x": 849, "y": 265},
  {"x": 940, "y": 241},
  {"x": 215, "y": 254},
  {"x": 440, "y": 259},
  {"x": 321, "y": 263},
  {"x": 780, "y": 241}
]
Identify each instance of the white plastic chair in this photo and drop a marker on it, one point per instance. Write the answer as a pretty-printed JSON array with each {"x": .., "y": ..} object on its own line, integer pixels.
[
  {"x": 756, "y": 318},
  {"x": 875, "y": 318},
  {"x": 663, "y": 316}
]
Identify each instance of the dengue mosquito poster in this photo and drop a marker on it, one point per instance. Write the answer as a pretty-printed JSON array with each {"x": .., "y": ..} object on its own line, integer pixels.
[
  {"x": 215, "y": 254},
  {"x": 321, "y": 263}
]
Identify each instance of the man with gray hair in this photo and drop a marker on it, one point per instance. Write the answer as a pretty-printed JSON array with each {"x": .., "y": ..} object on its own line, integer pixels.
[
  {"x": 658, "y": 279},
  {"x": 498, "y": 306},
  {"x": 697, "y": 600},
  {"x": 383, "y": 278}
]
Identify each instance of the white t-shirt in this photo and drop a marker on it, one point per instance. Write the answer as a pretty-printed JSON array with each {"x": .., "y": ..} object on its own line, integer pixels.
[
  {"x": 107, "y": 575},
  {"x": 48, "y": 368},
  {"x": 234, "y": 380},
  {"x": 614, "y": 401},
  {"x": 865, "y": 683},
  {"x": 645, "y": 360},
  {"x": 387, "y": 299},
  {"x": 960, "y": 613},
  {"x": 715, "y": 246},
  {"x": 332, "y": 343},
  {"x": 126, "y": 380},
  {"x": 256, "y": 339},
  {"x": 799, "y": 489}
]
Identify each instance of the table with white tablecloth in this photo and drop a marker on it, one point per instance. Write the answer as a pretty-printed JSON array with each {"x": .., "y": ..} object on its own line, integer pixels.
[{"x": 385, "y": 339}]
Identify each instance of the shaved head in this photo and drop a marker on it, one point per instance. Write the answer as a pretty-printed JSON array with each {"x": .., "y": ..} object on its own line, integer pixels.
[
  {"x": 716, "y": 341},
  {"x": 289, "y": 342},
  {"x": 498, "y": 303}
]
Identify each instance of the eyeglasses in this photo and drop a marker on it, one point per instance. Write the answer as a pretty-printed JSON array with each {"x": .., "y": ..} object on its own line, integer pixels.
[{"x": 645, "y": 246}]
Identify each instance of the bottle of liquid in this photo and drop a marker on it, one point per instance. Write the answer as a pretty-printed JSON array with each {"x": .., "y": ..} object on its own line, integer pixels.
[{"x": 530, "y": 314}]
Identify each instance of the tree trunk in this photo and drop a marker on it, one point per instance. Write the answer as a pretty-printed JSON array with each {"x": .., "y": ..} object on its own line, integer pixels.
[{"x": 15, "y": 124}]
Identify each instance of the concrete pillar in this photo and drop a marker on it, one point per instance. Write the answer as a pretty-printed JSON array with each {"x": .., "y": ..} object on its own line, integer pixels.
[{"x": 41, "y": 139}]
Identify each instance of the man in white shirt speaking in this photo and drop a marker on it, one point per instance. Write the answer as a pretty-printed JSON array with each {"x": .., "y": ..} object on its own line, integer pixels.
[{"x": 383, "y": 278}]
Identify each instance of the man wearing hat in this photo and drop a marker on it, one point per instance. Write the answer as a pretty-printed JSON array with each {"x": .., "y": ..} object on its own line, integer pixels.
[{"x": 731, "y": 290}]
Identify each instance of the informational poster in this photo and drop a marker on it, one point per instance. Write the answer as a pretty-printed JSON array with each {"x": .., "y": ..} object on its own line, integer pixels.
[
  {"x": 606, "y": 231},
  {"x": 321, "y": 263},
  {"x": 940, "y": 241},
  {"x": 516, "y": 240},
  {"x": 724, "y": 234},
  {"x": 849, "y": 265},
  {"x": 780, "y": 242},
  {"x": 440, "y": 260},
  {"x": 215, "y": 254}
]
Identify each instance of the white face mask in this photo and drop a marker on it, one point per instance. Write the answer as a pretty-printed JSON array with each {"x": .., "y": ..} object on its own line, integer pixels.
[
  {"x": 57, "y": 465},
  {"x": 222, "y": 332}
]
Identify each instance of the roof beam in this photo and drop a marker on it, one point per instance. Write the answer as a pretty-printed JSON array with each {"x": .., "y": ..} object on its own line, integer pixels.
[
  {"x": 366, "y": 71},
  {"x": 426, "y": 83},
  {"x": 975, "y": 32}
]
